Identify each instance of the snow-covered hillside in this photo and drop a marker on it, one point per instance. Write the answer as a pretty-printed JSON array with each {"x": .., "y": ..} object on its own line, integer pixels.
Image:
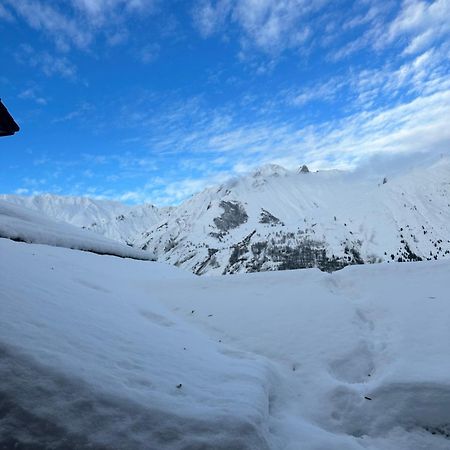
[
  {"x": 112, "y": 219},
  {"x": 24, "y": 225},
  {"x": 275, "y": 219},
  {"x": 110, "y": 353}
]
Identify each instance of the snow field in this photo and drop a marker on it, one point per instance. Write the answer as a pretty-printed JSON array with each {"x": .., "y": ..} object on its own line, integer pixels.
[
  {"x": 22, "y": 224},
  {"x": 103, "y": 352},
  {"x": 87, "y": 348},
  {"x": 362, "y": 353}
]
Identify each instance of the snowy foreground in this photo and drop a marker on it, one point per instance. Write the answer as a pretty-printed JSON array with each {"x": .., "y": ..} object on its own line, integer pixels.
[{"x": 102, "y": 352}]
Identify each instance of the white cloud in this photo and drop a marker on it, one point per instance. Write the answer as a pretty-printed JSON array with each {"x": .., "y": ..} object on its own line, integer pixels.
[
  {"x": 213, "y": 148},
  {"x": 44, "y": 17},
  {"x": 322, "y": 92},
  {"x": 277, "y": 23},
  {"x": 365, "y": 18},
  {"x": 101, "y": 12},
  {"x": 132, "y": 196},
  {"x": 161, "y": 192},
  {"x": 210, "y": 17},
  {"x": 21, "y": 191},
  {"x": 417, "y": 25},
  {"x": 419, "y": 126},
  {"x": 416, "y": 126},
  {"x": 421, "y": 23},
  {"x": 422, "y": 73},
  {"x": 425, "y": 73},
  {"x": 409, "y": 126},
  {"x": 79, "y": 22},
  {"x": 269, "y": 25}
]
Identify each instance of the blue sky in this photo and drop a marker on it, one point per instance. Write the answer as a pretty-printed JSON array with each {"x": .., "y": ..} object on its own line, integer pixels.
[{"x": 153, "y": 100}]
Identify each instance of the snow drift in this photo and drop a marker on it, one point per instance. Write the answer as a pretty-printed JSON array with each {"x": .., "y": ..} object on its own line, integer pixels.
[
  {"x": 91, "y": 358},
  {"x": 110, "y": 353},
  {"x": 113, "y": 220},
  {"x": 21, "y": 224}
]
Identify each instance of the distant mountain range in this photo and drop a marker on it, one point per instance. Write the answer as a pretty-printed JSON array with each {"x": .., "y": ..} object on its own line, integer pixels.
[{"x": 275, "y": 219}]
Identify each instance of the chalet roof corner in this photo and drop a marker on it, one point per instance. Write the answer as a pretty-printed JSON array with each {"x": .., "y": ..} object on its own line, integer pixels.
[{"x": 8, "y": 126}]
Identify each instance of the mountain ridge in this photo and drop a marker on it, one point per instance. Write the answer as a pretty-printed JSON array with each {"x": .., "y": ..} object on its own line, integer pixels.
[{"x": 277, "y": 219}]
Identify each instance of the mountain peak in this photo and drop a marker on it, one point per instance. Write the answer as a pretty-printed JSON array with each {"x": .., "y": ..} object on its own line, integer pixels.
[{"x": 303, "y": 169}]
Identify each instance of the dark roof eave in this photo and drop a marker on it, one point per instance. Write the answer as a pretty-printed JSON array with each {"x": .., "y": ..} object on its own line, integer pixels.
[{"x": 8, "y": 126}]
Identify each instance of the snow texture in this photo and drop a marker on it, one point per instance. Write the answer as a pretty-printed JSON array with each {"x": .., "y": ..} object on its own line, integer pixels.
[
  {"x": 21, "y": 224},
  {"x": 110, "y": 353},
  {"x": 112, "y": 219}
]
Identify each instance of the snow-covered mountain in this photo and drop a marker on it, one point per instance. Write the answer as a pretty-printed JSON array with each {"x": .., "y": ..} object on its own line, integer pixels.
[
  {"x": 275, "y": 219},
  {"x": 25, "y": 225},
  {"x": 139, "y": 355},
  {"x": 112, "y": 219}
]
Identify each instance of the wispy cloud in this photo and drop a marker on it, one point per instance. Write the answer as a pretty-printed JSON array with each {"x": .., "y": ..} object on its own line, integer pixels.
[
  {"x": 319, "y": 91},
  {"x": 415, "y": 27},
  {"x": 5, "y": 14},
  {"x": 79, "y": 112},
  {"x": 46, "y": 62},
  {"x": 270, "y": 26},
  {"x": 31, "y": 93},
  {"x": 415, "y": 127},
  {"x": 47, "y": 18},
  {"x": 273, "y": 26},
  {"x": 420, "y": 23},
  {"x": 217, "y": 147},
  {"x": 210, "y": 17},
  {"x": 80, "y": 21},
  {"x": 78, "y": 25},
  {"x": 148, "y": 53}
]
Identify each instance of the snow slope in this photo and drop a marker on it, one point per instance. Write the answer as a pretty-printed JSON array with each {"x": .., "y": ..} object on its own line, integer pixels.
[
  {"x": 112, "y": 219},
  {"x": 274, "y": 219},
  {"x": 361, "y": 354},
  {"x": 21, "y": 224},
  {"x": 103, "y": 352},
  {"x": 89, "y": 357}
]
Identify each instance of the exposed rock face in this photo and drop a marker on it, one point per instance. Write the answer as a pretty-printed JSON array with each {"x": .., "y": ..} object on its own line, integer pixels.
[
  {"x": 304, "y": 169},
  {"x": 287, "y": 251},
  {"x": 268, "y": 218},
  {"x": 210, "y": 261},
  {"x": 233, "y": 215}
]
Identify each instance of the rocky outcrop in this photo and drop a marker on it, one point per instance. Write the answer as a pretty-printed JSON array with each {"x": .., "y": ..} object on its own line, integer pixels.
[{"x": 233, "y": 215}]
